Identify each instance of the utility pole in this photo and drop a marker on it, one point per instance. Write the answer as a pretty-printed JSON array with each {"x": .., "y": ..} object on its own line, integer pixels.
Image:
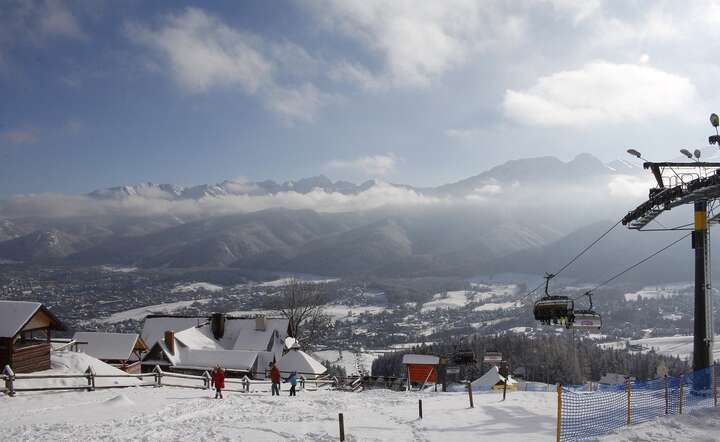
[{"x": 703, "y": 326}]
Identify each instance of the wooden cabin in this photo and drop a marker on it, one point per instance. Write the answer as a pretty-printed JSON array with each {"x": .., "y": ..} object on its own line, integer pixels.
[
  {"x": 121, "y": 350},
  {"x": 25, "y": 332}
]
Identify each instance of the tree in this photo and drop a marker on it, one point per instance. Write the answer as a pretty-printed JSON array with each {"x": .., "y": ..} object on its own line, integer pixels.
[{"x": 303, "y": 304}]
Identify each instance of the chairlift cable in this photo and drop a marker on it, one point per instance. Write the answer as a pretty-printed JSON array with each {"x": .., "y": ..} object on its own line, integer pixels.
[
  {"x": 642, "y": 261},
  {"x": 582, "y": 252}
]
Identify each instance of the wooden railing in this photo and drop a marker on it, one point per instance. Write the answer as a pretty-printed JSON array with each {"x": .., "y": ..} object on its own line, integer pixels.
[{"x": 159, "y": 379}]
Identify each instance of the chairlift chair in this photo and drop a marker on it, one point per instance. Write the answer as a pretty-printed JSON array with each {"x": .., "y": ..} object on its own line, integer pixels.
[
  {"x": 586, "y": 319},
  {"x": 464, "y": 356},
  {"x": 553, "y": 309}
]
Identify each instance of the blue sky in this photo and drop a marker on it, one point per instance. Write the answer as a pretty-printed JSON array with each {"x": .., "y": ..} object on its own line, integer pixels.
[{"x": 98, "y": 94}]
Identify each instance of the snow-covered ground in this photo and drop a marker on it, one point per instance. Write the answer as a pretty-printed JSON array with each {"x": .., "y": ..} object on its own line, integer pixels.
[
  {"x": 663, "y": 291},
  {"x": 352, "y": 362},
  {"x": 681, "y": 346},
  {"x": 480, "y": 293},
  {"x": 141, "y": 312},
  {"x": 168, "y": 413},
  {"x": 192, "y": 287},
  {"x": 698, "y": 425}
]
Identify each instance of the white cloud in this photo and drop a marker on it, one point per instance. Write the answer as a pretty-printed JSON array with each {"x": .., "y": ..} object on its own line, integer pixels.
[
  {"x": 296, "y": 104},
  {"x": 375, "y": 165},
  {"x": 417, "y": 40},
  {"x": 204, "y": 52},
  {"x": 598, "y": 93},
  {"x": 55, "y": 19}
]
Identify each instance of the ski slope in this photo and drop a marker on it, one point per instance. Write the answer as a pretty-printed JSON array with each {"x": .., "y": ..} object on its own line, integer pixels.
[
  {"x": 680, "y": 346},
  {"x": 168, "y": 413}
]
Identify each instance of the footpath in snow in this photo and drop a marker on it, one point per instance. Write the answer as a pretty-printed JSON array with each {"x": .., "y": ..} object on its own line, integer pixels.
[{"x": 170, "y": 413}]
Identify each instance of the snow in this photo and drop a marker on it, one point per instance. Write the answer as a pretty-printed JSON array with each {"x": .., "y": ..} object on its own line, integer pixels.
[
  {"x": 341, "y": 311},
  {"x": 116, "y": 269},
  {"x": 285, "y": 281},
  {"x": 107, "y": 345},
  {"x": 196, "y": 286},
  {"x": 681, "y": 346},
  {"x": 420, "y": 359},
  {"x": 460, "y": 298},
  {"x": 353, "y": 362},
  {"x": 68, "y": 362},
  {"x": 652, "y": 292},
  {"x": 14, "y": 315},
  {"x": 155, "y": 328},
  {"x": 169, "y": 413},
  {"x": 698, "y": 425},
  {"x": 492, "y": 306},
  {"x": 141, "y": 312}
]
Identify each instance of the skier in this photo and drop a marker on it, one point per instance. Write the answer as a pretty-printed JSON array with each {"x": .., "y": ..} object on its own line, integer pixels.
[
  {"x": 218, "y": 381},
  {"x": 275, "y": 378},
  {"x": 292, "y": 379}
]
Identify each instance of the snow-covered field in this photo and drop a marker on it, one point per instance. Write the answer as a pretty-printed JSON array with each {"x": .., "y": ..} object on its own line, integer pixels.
[
  {"x": 168, "y": 413},
  {"x": 193, "y": 287},
  {"x": 480, "y": 293},
  {"x": 681, "y": 346},
  {"x": 352, "y": 362},
  {"x": 664, "y": 291},
  {"x": 141, "y": 312},
  {"x": 697, "y": 426}
]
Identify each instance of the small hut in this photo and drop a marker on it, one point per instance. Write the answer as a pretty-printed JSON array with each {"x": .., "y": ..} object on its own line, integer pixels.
[
  {"x": 25, "y": 333},
  {"x": 121, "y": 350},
  {"x": 421, "y": 369},
  {"x": 492, "y": 379},
  {"x": 300, "y": 362}
]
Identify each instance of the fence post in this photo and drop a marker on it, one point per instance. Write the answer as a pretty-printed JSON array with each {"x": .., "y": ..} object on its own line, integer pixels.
[
  {"x": 9, "y": 380},
  {"x": 158, "y": 376},
  {"x": 629, "y": 402},
  {"x": 469, "y": 388},
  {"x": 341, "y": 422},
  {"x": 559, "y": 412},
  {"x": 681, "y": 394},
  {"x": 667, "y": 398},
  {"x": 90, "y": 373},
  {"x": 420, "y": 408},
  {"x": 206, "y": 380}
]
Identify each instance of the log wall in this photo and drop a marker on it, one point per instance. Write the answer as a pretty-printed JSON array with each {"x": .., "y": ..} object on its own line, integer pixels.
[{"x": 31, "y": 358}]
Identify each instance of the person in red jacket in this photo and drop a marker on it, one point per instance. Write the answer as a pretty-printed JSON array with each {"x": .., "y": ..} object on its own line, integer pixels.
[
  {"x": 218, "y": 381},
  {"x": 275, "y": 378}
]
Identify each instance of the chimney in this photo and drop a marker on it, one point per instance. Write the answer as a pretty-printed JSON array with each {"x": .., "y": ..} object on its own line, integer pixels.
[
  {"x": 170, "y": 341},
  {"x": 218, "y": 325},
  {"x": 260, "y": 323}
]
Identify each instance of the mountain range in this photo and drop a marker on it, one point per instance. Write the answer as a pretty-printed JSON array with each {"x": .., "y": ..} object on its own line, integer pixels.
[{"x": 526, "y": 215}]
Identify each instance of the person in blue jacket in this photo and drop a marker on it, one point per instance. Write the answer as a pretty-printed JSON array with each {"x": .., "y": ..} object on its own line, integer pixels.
[{"x": 292, "y": 380}]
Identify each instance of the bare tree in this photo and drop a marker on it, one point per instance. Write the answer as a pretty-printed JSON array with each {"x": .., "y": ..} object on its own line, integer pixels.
[{"x": 303, "y": 304}]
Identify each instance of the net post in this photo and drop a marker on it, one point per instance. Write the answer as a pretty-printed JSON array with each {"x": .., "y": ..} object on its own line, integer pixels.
[
  {"x": 629, "y": 402},
  {"x": 559, "y": 412},
  {"x": 714, "y": 384},
  {"x": 667, "y": 398},
  {"x": 681, "y": 394}
]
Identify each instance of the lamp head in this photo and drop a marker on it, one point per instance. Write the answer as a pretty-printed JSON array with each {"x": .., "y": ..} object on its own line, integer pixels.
[
  {"x": 714, "y": 120},
  {"x": 697, "y": 153},
  {"x": 634, "y": 153},
  {"x": 686, "y": 153}
]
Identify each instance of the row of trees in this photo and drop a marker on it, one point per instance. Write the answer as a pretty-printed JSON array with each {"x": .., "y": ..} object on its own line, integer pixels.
[{"x": 550, "y": 359}]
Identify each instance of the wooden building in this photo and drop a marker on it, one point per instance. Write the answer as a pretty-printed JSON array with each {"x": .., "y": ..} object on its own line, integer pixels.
[
  {"x": 121, "y": 350},
  {"x": 421, "y": 369},
  {"x": 25, "y": 333}
]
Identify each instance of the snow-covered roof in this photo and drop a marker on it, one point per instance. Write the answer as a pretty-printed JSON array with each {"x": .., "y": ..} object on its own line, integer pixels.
[
  {"x": 301, "y": 362},
  {"x": 14, "y": 315},
  {"x": 155, "y": 327},
  {"x": 107, "y": 346},
  {"x": 492, "y": 377},
  {"x": 420, "y": 359}
]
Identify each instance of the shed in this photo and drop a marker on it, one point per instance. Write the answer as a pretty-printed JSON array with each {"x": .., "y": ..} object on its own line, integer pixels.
[
  {"x": 491, "y": 379},
  {"x": 25, "y": 333},
  {"x": 421, "y": 368},
  {"x": 122, "y": 350}
]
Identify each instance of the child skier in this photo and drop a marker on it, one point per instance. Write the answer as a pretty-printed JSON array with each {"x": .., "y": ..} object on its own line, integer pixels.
[
  {"x": 275, "y": 378},
  {"x": 218, "y": 380}
]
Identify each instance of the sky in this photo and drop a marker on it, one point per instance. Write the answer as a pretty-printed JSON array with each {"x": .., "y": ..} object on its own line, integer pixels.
[{"x": 96, "y": 94}]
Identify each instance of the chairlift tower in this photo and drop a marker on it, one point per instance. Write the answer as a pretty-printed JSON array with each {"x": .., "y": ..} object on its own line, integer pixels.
[{"x": 681, "y": 183}]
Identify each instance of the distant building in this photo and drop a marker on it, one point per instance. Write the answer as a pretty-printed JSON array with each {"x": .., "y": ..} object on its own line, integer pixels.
[
  {"x": 492, "y": 379},
  {"x": 615, "y": 379},
  {"x": 195, "y": 344},
  {"x": 25, "y": 333},
  {"x": 122, "y": 350}
]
